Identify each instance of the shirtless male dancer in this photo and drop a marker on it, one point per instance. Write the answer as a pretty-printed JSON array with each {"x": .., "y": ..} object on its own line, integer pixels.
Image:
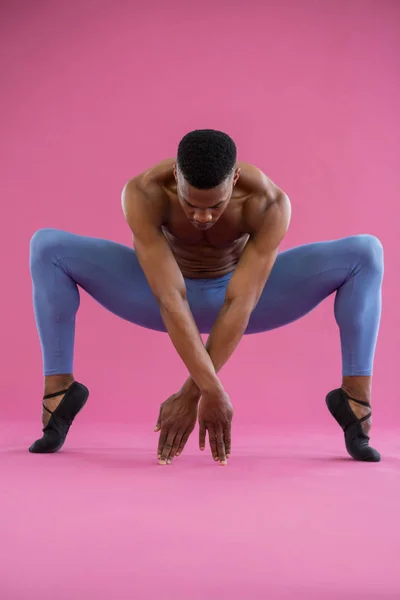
[{"x": 206, "y": 232}]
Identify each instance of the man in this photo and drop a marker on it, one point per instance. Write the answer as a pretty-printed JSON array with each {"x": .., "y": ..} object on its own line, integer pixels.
[{"x": 206, "y": 232}]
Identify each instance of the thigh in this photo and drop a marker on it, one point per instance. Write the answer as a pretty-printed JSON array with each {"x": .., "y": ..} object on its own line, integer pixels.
[
  {"x": 301, "y": 278},
  {"x": 111, "y": 274}
]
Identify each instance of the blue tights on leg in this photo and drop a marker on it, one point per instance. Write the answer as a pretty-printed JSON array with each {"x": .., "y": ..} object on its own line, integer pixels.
[{"x": 351, "y": 268}]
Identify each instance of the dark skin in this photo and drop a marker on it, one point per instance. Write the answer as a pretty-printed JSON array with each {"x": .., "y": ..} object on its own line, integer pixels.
[{"x": 179, "y": 232}]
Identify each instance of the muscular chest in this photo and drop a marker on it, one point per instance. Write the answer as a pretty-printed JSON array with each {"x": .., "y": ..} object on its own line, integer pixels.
[
  {"x": 227, "y": 232},
  {"x": 201, "y": 250}
]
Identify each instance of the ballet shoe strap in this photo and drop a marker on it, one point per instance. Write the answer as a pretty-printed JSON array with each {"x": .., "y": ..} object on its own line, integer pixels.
[
  {"x": 358, "y": 401},
  {"x": 55, "y": 394},
  {"x": 362, "y": 404},
  {"x": 52, "y": 396}
]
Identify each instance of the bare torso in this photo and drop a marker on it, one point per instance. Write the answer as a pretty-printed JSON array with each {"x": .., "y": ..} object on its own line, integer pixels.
[{"x": 215, "y": 252}]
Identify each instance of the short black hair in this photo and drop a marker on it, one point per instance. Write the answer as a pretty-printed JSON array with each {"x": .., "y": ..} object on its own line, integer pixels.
[{"x": 206, "y": 157}]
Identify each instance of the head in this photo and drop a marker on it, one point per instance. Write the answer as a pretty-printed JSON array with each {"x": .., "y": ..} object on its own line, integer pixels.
[{"x": 206, "y": 174}]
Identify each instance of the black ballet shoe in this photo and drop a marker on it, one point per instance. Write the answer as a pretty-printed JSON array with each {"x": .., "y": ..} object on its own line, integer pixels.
[
  {"x": 356, "y": 440},
  {"x": 56, "y": 430}
]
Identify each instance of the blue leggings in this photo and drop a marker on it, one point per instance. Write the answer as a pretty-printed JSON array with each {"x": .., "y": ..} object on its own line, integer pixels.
[{"x": 301, "y": 278}]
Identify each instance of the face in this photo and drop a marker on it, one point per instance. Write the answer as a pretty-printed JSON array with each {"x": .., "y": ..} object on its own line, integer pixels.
[{"x": 203, "y": 208}]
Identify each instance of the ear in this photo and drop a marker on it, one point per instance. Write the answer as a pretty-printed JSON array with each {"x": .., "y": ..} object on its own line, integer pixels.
[
  {"x": 175, "y": 173},
  {"x": 236, "y": 176}
]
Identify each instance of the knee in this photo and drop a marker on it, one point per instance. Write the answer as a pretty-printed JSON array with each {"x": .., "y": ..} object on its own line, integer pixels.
[
  {"x": 43, "y": 242},
  {"x": 369, "y": 250}
]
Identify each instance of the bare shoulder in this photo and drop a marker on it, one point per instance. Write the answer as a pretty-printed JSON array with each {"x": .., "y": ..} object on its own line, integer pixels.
[
  {"x": 159, "y": 173},
  {"x": 256, "y": 182},
  {"x": 266, "y": 203},
  {"x": 144, "y": 195}
]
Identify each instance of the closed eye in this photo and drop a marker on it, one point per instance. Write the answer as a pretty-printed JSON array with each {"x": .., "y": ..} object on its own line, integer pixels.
[{"x": 208, "y": 208}]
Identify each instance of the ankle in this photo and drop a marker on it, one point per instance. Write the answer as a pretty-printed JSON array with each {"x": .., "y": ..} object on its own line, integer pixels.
[
  {"x": 56, "y": 383},
  {"x": 358, "y": 388},
  {"x": 359, "y": 410},
  {"x": 357, "y": 394}
]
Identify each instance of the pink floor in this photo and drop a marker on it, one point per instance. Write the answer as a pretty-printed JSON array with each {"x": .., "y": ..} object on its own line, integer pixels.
[{"x": 290, "y": 517}]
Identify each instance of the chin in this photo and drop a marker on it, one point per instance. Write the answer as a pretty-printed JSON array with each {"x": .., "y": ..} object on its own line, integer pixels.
[{"x": 203, "y": 227}]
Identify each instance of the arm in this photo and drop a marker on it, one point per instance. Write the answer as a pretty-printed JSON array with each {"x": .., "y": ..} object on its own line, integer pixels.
[
  {"x": 247, "y": 282},
  {"x": 143, "y": 210}
]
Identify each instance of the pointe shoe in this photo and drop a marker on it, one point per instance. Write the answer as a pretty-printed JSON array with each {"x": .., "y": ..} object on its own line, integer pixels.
[
  {"x": 55, "y": 432},
  {"x": 357, "y": 442}
]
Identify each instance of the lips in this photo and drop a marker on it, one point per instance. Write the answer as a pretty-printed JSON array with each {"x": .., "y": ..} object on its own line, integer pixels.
[{"x": 201, "y": 225}]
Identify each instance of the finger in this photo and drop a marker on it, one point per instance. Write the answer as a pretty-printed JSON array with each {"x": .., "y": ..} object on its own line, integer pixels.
[
  {"x": 165, "y": 454},
  {"x": 161, "y": 441},
  {"x": 212, "y": 438},
  {"x": 227, "y": 439},
  {"x": 202, "y": 436},
  {"x": 175, "y": 445},
  {"x": 158, "y": 426},
  {"x": 182, "y": 443},
  {"x": 221, "y": 447}
]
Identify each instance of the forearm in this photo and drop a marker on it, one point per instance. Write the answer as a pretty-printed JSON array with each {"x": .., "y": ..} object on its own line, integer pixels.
[
  {"x": 226, "y": 333},
  {"x": 225, "y": 336},
  {"x": 186, "y": 339}
]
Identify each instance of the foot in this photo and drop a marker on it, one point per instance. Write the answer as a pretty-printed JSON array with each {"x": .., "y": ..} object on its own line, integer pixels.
[
  {"x": 53, "y": 384},
  {"x": 67, "y": 405},
  {"x": 359, "y": 410},
  {"x": 356, "y": 440}
]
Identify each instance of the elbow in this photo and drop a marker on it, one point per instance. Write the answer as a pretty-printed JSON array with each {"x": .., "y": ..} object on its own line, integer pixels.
[{"x": 286, "y": 209}]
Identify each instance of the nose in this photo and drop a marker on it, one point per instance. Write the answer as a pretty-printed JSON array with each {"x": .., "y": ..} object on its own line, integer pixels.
[{"x": 203, "y": 217}]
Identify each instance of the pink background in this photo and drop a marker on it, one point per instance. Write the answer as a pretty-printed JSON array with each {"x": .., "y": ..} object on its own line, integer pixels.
[
  {"x": 92, "y": 93},
  {"x": 95, "y": 92}
]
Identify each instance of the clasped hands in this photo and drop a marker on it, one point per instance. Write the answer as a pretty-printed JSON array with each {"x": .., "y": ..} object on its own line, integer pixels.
[{"x": 177, "y": 419}]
